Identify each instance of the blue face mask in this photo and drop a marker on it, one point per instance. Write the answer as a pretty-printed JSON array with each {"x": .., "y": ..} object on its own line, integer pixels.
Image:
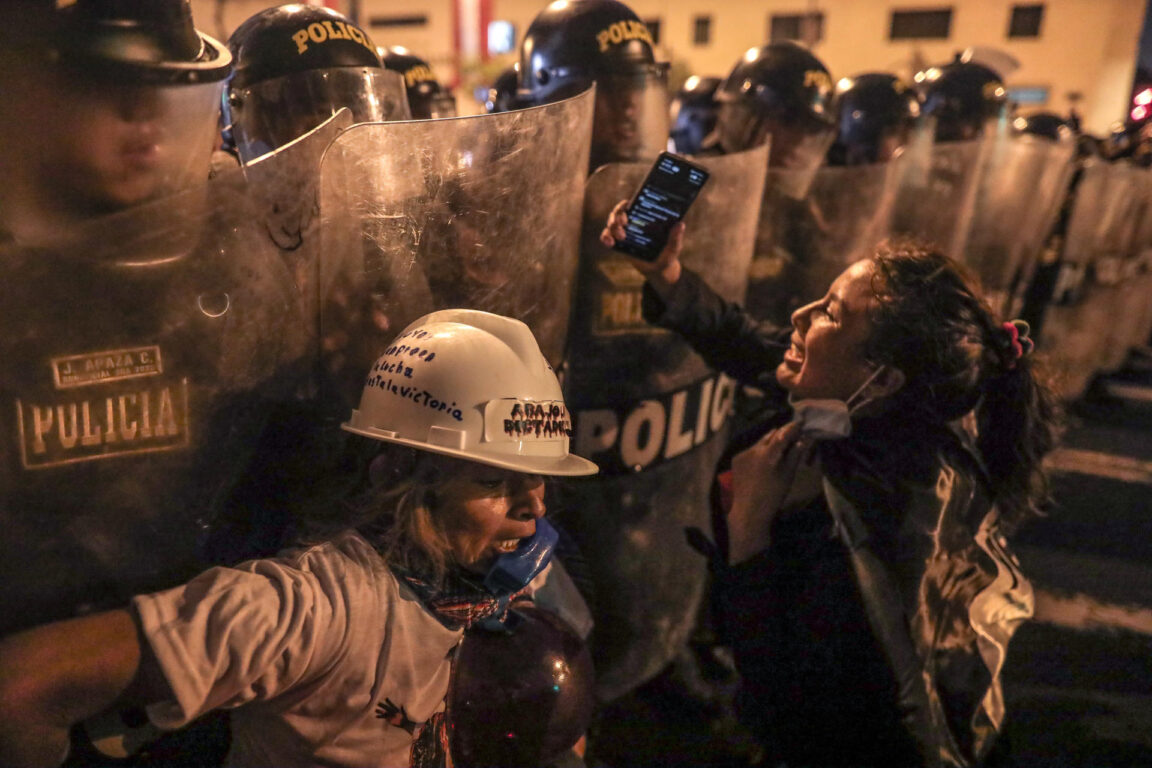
[
  {"x": 828, "y": 419},
  {"x": 513, "y": 570}
]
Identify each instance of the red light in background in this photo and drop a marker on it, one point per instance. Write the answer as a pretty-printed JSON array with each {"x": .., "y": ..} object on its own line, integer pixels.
[
  {"x": 1143, "y": 98},
  {"x": 1139, "y": 113}
]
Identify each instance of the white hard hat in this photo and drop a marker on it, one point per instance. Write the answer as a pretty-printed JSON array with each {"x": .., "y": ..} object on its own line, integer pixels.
[{"x": 471, "y": 384}]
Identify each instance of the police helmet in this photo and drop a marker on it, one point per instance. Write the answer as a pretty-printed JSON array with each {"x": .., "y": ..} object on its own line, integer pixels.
[
  {"x": 693, "y": 113},
  {"x": 781, "y": 90},
  {"x": 573, "y": 43},
  {"x": 520, "y": 696},
  {"x": 297, "y": 65},
  {"x": 875, "y": 115},
  {"x": 502, "y": 93},
  {"x": 427, "y": 97},
  {"x": 145, "y": 42},
  {"x": 961, "y": 96},
  {"x": 1046, "y": 125}
]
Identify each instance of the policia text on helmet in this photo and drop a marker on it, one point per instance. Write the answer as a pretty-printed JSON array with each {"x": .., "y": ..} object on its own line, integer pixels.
[
  {"x": 296, "y": 66},
  {"x": 572, "y": 44}
]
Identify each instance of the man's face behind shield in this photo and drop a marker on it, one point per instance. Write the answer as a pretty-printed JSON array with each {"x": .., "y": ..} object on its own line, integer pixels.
[
  {"x": 631, "y": 119},
  {"x": 104, "y": 146}
]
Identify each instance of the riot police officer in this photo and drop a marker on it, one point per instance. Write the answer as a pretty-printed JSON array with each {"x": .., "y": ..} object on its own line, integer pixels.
[
  {"x": 296, "y": 66},
  {"x": 780, "y": 90},
  {"x": 781, "y": 94},
  {"x": 876, "y": 115},
  {"x": 574, "y": 43},
  {"x": 104, "y": 106},
  {"x": 962, "y": 97},
  {"x": 428, "y": 98},
  {"x": 693, "y": 114}
]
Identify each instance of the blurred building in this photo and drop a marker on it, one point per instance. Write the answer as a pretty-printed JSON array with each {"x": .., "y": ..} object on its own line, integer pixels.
[{"x": 1071, "y": 53}]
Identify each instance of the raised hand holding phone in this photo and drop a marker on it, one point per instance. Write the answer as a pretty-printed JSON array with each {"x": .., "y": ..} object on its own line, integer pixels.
[{"x": 658, "y": 205}]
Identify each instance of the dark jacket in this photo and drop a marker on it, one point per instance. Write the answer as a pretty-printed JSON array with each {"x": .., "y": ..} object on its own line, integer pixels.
[{"x": 873, "y": 630}]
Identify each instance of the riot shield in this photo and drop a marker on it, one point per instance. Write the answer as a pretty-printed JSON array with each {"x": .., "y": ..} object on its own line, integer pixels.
[
  {"x": 285, "y": 187},
  {"x": 937, "y": 193},
  {"x": 1019, "y": 194},
  {"x": 480, "y": 212},
  {"x": 142, "y": 355},
  {"x": 853, "y": 205},
  {"x": 653, "y": 416},
  {"x": 787, "y": 239},
  {"x": 1101, "y": 230}
]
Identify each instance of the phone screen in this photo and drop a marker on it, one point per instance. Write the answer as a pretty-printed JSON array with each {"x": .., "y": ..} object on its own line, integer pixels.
[{"x": 662, "y": 200}]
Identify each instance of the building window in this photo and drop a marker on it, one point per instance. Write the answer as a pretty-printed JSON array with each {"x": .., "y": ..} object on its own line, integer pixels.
[
  {"x": 414, "y": 20},
  {"x": 935, "y": 23},
  {"x": 701, "y": 30},
  {"x": 1026, "y": 20},
  {"x": 807, "y": 28},
  {"x": 653, "y": 29},
  {"x": 1029, "y": 95},
  {"x": 501, "y": 37}
]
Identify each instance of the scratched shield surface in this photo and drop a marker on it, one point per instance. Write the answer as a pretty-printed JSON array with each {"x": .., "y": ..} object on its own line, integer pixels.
[
  {"x": 480, "y": 212},
  {"x": 654, "y": 417},
  {"x": 1019, "y": 193},
  {"x": 141, "y": 354}
]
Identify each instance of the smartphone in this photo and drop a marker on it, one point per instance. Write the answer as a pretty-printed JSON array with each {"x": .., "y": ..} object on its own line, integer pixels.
[{"x": 660, "y": 202}]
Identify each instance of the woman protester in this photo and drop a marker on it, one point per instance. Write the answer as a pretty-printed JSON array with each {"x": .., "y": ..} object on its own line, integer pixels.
[
  {"x": 339, "y": 652},
  {"x": 862, "y": 575}
]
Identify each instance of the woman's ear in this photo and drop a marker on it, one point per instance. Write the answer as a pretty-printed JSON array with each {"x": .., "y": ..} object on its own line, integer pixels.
[{"x": 888, "y": 382}]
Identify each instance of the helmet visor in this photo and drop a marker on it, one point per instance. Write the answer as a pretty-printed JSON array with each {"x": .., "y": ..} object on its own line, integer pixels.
[
  {"x": 631, "y": 117},
  {"x": 271, "y": 113},
  {"x": 799, "y": 144}
]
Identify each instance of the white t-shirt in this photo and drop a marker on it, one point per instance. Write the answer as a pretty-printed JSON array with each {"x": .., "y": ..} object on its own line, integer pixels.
[{"x": 334, "y": 661}]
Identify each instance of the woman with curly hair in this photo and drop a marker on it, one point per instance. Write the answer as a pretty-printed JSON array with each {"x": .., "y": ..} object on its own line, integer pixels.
[{"x": 862, "y": 576}]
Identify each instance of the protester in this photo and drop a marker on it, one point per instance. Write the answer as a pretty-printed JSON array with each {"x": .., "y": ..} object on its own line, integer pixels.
[
  {"x": 863, "y": 577},
  {"x": 338, "y": 652}
]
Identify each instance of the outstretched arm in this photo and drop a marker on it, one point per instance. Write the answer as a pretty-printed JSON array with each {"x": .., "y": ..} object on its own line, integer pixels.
[{"x": 58, "y": 674}]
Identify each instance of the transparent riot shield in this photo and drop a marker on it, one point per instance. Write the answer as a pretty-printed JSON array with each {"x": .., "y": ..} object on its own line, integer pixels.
[
  {"x": 480, "y": 212},
  {"x": 653, "y": 416},
  {"x": 1019, "y": 193},
  {"x": 937, "y": 193},
  {"x": 788, "y": 236},
  {"x": 285, "y": 187},
  {"x": 1101, "y": 230},
  {"x": 853, "y": 208},
  {"x": 142, "y": 355}
]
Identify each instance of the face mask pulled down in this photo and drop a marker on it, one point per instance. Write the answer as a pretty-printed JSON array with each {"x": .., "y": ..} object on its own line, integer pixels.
[{"x": 829, "y": 419}]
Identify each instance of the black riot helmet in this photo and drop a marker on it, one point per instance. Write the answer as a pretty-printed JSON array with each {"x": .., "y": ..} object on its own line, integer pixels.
[
  {"x": 297, "y": 65},
  {"x": 502, "y": 93},
  {"x": 961, "y": 97},
  {"x": 1047, "y": 125},
  {"x": 574, "y": 43},
  {"x": 693, "y": 113},
  {"x": 875, "y": 116},
  {"x": 427, "y": 97},
  {"x": 780, "y": 90},
  {"x": 146, "y": 42}
]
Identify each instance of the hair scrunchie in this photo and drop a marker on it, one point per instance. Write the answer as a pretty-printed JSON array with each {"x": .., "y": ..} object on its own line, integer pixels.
[{"x": 1015, "y": 341}]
